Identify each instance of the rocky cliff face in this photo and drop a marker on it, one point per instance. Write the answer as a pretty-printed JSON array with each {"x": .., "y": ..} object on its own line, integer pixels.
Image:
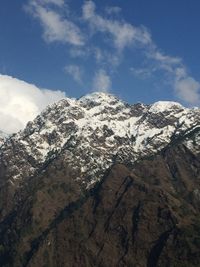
[{"x": 98, "y": 182}]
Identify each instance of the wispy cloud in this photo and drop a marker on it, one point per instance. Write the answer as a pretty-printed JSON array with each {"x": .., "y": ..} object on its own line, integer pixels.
[
  {"x": 116, "y": 36},
  {"x": 113, "y": 10},
  {"x": 21, "y": 102},
  {"x": 55, "y": 26},
  {"x": 75, "y": 71},
  {"x": 102, "y": 81},
  {"x": 55, "y": 2},
  {"x": 122, "y": 34},
  {"x": 142, "y": 73},
  {"x": 79, "y": 52},
  {"x": 186, "y": 88},
  {"x": 125, "y": 35}
]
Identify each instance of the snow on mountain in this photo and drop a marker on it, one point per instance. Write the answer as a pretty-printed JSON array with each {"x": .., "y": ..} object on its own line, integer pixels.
[
  {"x": 92, "y": 132},
  {"x": 162, "y": 106}
]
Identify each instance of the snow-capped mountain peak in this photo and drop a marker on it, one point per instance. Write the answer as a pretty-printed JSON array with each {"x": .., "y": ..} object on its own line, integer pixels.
[
  {"x": 162, "y": 106},
  {"x": 94, "y": 130}
]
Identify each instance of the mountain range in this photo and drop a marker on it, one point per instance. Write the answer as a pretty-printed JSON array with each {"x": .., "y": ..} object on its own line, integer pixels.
[{"x": 96, "y": 181}]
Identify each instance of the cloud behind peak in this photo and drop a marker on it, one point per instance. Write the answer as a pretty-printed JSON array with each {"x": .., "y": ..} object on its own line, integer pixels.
[{"x": 21, "y": 102}]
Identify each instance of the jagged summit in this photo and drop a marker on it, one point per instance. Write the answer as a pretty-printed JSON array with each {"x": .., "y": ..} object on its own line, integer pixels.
[
  {"x": 102, "y": 98},
  {"x": 98, "y": 97}
]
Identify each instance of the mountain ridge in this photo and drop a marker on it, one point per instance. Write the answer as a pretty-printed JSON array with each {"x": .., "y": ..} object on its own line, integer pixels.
[{"x": 104, "y": 126}]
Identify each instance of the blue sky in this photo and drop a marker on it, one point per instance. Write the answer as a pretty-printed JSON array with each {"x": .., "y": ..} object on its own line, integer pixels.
[{"x": 141, "y": 50}]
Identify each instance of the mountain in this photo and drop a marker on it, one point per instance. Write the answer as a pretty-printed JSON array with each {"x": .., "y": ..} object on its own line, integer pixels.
[{"x": 99, "y": 182}]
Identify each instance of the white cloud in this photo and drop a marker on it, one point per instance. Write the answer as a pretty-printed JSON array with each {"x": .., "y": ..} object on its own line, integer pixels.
[
  {"x": 56, "y": 28},
  {"x": 123, "y": 34},
  {"x": 102, "y": 81},
  {"x": 21, "y": 102},
  {"x": 157, "y": 55},
  {"x": 163, "y": 61},
  {"x": 74, "y": 71},
  {"x": 186, "y": 87}
]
